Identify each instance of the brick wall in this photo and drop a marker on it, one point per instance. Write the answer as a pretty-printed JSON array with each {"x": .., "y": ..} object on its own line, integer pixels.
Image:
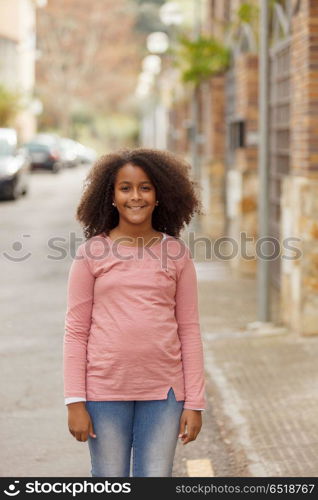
[
  {"x": 304, "y": 104},
  {"x": 217, "y": 118},
  {"x": 299, "y": 280},
  {"x": 213, "y": 153},
  {"x": 246, "y": 158}
]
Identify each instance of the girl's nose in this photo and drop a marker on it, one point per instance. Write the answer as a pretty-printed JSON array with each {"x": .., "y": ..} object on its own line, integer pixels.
[{"x": 136, "y": 195}]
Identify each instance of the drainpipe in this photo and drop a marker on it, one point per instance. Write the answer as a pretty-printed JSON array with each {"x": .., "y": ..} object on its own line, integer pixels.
[{"x": 263, "y": 164}]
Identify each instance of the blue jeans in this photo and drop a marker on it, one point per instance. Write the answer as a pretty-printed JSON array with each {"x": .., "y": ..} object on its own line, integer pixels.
[{"x": 148, "y": 429}]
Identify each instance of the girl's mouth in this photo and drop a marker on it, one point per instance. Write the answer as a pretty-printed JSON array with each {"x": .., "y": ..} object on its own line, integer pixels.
[{"x": 136, "y": 208}]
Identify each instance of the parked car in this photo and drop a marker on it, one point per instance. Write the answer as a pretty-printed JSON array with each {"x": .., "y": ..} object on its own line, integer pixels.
[
  {"x": 15, "y": 166},
  {"x": 45, "y": 152},
  {"x": 69, "y": 152},
  {"x": 86, "y": 154}
]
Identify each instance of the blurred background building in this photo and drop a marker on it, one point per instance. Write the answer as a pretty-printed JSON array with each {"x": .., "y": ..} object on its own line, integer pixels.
[{"x": 17, "y": 65}]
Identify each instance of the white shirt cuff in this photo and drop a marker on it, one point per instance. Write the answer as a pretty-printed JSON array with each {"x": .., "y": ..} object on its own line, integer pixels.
[
  {"x": 187, "y": 408},
  {"x": 73, "y": 400}
]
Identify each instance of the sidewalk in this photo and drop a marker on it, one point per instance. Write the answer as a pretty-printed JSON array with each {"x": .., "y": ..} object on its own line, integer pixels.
[{"x": 263, "y": 389}]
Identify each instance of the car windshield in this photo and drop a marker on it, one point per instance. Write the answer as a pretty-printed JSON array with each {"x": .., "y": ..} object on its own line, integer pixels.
[
  {"x": 47, "y": 139},
  {"x": 36, "y": 147},
  {"x": 6, "y": 149},
  {"x": 66, "y": 145}
]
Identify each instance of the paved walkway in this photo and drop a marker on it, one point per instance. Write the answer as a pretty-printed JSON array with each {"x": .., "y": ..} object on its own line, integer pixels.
[{"x": 264, "y": 387}]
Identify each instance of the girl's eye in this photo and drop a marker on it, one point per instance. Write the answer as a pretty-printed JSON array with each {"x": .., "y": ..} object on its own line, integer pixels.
[{"x": 147, "y": 188}]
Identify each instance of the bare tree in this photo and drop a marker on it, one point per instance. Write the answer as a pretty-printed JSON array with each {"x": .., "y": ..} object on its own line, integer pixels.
[{"x": 89, "y": 53}]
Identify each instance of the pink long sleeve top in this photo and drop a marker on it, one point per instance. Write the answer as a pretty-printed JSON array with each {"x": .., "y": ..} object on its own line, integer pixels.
[{"x": 132, "y": 325}]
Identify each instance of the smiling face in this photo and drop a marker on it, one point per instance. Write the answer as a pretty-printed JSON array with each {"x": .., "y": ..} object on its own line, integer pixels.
[{"x": 134, "y": 195}]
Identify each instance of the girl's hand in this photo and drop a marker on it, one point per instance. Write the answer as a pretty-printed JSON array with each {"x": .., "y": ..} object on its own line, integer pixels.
[
  {"x": 79, "y": 421},
  {"x": 193, "y": 420}
]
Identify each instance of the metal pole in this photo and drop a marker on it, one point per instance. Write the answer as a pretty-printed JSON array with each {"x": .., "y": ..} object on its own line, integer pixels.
[
  {"x": 263, "y": 211},
  {"x": 195, "y": 109}
]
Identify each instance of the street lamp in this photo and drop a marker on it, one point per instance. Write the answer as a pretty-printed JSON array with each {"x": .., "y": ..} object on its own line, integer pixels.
[
  {"x": 145, "y": 82},
  {"x": 151, "y": 64},
  {"x": 147, "y": 91},
  {"x": 41, "y": 3},
  {"x": 157, "y": 42},
  {"x": 171, "y": 14}
]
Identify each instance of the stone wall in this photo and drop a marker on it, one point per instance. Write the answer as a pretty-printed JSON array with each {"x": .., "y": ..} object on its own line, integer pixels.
[
  {"x": 246, "y": 158},
  {"x": 299, "y": 277},
  {"x": 299, "y": 281}
]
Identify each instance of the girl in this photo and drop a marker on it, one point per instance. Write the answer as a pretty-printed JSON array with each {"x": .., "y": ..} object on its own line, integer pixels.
[{"x": 133, "y": 358}]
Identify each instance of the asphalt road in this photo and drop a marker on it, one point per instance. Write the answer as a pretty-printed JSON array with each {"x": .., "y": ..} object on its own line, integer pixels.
[{"x": 34, "y": 435}]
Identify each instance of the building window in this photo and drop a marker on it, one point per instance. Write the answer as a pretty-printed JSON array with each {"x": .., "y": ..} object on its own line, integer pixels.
[
  {"x": 237, "y": 135},
  {"x": 8, "y": 62}
]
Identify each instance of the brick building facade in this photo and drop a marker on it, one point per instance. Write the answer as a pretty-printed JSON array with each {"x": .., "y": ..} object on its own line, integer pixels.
[{"x": 228, "y": 124}]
